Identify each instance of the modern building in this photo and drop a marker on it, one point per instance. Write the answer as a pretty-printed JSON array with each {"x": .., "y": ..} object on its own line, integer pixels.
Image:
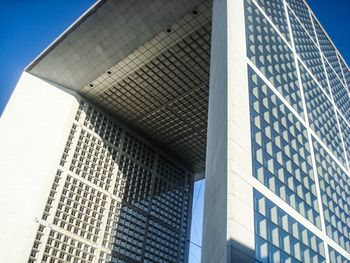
[{"x": 109, "y": 127}]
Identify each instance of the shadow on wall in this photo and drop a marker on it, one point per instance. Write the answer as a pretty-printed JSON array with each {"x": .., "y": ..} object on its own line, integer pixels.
[
  {"x": 240, "y": 253},
  {"x": 149, "y": 213}
]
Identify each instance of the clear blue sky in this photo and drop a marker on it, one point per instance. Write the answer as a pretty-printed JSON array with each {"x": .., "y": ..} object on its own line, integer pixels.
[
  {"x": 197, "y": 222},
  {"x": 28, "y": 26}
]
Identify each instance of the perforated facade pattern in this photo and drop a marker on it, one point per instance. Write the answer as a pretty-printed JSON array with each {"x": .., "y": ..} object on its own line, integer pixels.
[
  {"x": 115, "y": 198},
  {"x": 272, "y": 138},
  {"x": 335, "y": 194},
  {"x": 321, "y": 114},
  {"x": 280, "y": 238},
  {"x": 334, "y": 256},
  {"x": 281, "y": 153},
  {"x": 299, "y": 108}
]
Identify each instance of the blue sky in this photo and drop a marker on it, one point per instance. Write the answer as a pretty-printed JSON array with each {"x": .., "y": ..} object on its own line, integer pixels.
[
  {"x": 197, "y": 222},
  {"x": 29, "y": 26}
]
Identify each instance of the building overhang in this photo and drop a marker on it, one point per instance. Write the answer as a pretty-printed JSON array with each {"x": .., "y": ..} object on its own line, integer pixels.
[{"x": 145, "y": 63}]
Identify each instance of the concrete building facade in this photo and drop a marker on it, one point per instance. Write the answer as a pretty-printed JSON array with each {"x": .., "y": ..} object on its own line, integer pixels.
[{"x": 110, "y": 126}]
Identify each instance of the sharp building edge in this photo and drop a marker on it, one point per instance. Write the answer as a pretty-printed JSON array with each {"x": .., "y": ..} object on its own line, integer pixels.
[{"x": 109, "y": 127}]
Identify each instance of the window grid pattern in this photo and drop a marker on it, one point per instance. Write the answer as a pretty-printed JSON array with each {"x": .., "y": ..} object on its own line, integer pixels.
[
  {"x": 272, "y": 56},
  {"x": 161, "y": 202},
  {"x": 340, "y": 94},
  {"x": 117, "y": 193},
  {"x": 68, "y": 145},
  {"x": 302, "y": 12},
  {"x": 346, "y": 73},
  {"x": 345, "y": 128},
  {"x": 80, "y": 209},
  {"x": 186, "y": 221},
  {"x": 37, "y": 244},
  {"x": 160, "y": 243},
  {"x": 308, "y": 51},
  {"x": 61, "y": 248},
  {"x": 166, "y": 226},
  {"x": 169, "y": 122},
  {"x": 94, "y": 159},
  {"x": 190, "y": 108},
  {"x": 138, "y": 150},
  {"x": 79, "y": 112},
  {"x": 335, "y": 194},
  {"x": 52, "y": 195},
  {"x": 134, "y": 183},
  {"x": 129, "y": 234},
  {"x": 335, "y": 257},
  {"x": 168, "y": 171},
  {"x": 324, "y": 84},
  {"x": 280, "y": 238},
  {"x": 135, "y": 225},
  {"x": 280, "y": 149},
  {"x": 108, "y": 130},
  {"x": 321, "y": 115},
  {"x": 110, "y": 229},
  {"x": 276, "y": 12},
  {"x": 328, "y": 49}
]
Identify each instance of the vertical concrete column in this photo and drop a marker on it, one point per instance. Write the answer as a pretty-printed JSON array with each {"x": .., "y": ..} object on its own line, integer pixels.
[
  {"x": 240, "y": 208},
  {"x": 33, "y": 132},
  {"x": 215, "y": 196},
  {"x": 228, "y": 230}
]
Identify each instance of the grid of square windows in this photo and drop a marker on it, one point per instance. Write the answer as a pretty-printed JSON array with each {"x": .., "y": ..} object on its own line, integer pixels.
[
  {"x": 276, "y": 12},
  {"x": 302, "y": 12},
  {"x": 143, "y": 222},
  {"x": 61, "y": 248},
  {"x": 80, "y": 209},
  {"x": 118, "y": 191},
  {"x": 328, "y": 80},
  {"x": 321, "y": 114},
  {"x": 94, "y": 159},
  {"x": 129, "y": 234},
  {"x": 166, "y": 226},
  {"x": 280, "y": 149},
  {"x": 340, "y": 94},
  {"x": 68, "y": 145},
  {"x": 52, "y": 196},
  {"x": 162, "y": 202},
  {"x": 335, "y": 257},
  {"x": 108, "y": 130},
  {"x": 308, "y": 51},
  {"x": 345, "y": 128},
  {"x": 281, "y": 238},
  {"x": 134, "y": 182},
  {"x": 138, "y": 150},
  {"x": 272, "y": 56},
  {"x": 335, "y": 194},
  {"x": 327, "y": 48},
  {"x": 346, "y": 73},
  {"x": 37, "y": 244},
  {"x": 169, "y": 171},
  {"x": 110, "y": 228},
  {"x": 161, "y": 243}
]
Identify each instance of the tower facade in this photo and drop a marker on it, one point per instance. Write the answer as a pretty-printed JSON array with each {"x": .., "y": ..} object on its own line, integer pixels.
[
  {"x": 282, "y": 135},
  {"x": 104, "y": 195},
  {"x": 110, "y": 126}
]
